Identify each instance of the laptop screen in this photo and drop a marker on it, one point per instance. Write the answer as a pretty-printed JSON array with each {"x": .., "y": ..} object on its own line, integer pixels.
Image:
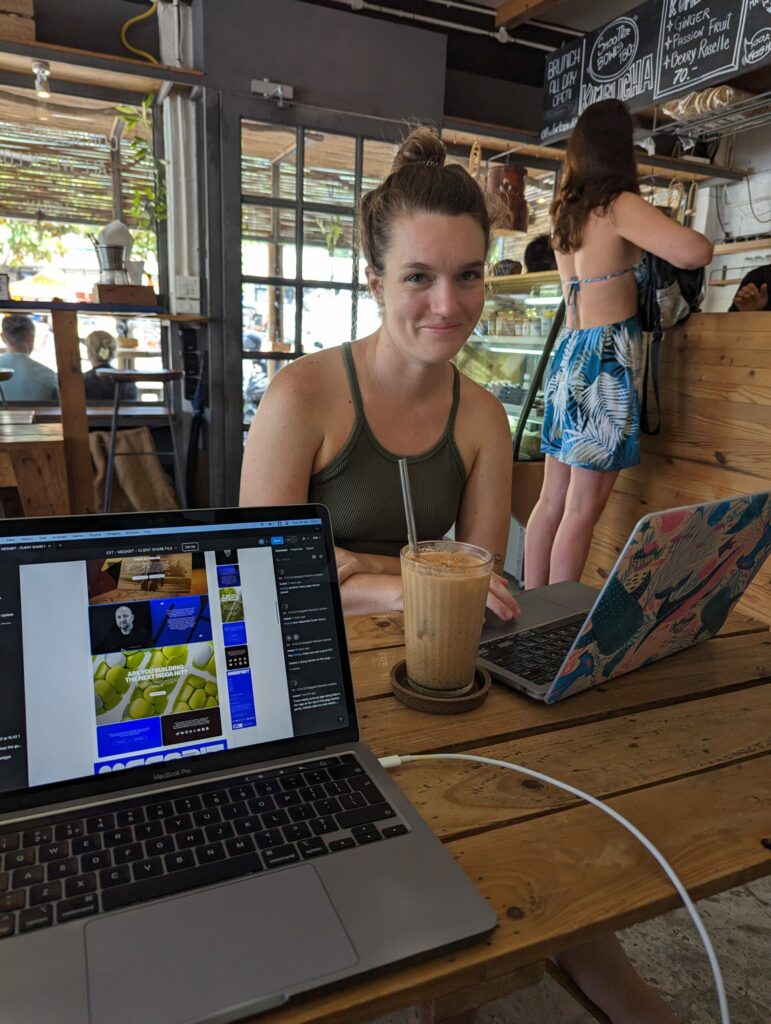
[{"x": 145, "y": 646}]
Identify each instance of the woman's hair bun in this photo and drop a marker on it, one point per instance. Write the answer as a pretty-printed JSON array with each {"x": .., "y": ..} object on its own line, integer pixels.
[{"x": 422, "y": 146}]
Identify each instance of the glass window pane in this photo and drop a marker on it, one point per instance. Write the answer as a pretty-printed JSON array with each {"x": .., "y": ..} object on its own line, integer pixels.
[
  {"x": 369, "y": 317},
  {"x": 327, "y": 247},
  {"x": 256, "y": 376},
  {"x": 376, "y": 163},
  {"x": 329, "y": 171},
  {"x": 268, "y": 318},
  {"x": 326, "y": 317},
  {"x": 268, "y": 160},
  {"x": 268, "y": 242}
]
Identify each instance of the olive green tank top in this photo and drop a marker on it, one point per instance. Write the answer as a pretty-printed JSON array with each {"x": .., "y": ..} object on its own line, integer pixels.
[{"x": 361, "y": 489}]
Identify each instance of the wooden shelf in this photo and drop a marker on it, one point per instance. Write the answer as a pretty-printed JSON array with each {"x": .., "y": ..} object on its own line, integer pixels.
[
  {"x": 100, "y": 309},
  {"x": 517, "y": 284},
  {"x": 658, "y": 166},
  {"x": 749, "y": 245},
  {"x": 69, "y": 64},
  {"x": 515, "y": 343}
]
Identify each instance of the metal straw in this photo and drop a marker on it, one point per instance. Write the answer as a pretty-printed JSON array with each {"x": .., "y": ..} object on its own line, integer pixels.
[{"x": 409, "y": 514}]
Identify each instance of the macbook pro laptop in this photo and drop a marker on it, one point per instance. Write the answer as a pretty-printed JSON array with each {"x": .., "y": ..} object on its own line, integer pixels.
[
  {"x": 677, "y": 578},
  {"x": 190, "y": 830}
]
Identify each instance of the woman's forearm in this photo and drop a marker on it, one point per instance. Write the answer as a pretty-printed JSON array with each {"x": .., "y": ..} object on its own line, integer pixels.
[
  {"x": 385, "y": 565},
  {"x": 365, "y": 593}
]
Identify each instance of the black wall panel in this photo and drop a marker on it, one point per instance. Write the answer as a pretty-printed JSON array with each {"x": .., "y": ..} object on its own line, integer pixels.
[{"x": 333, "y": 59}]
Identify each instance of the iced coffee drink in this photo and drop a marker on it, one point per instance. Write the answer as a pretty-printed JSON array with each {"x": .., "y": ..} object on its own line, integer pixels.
[{"x": 445, "y": 587}]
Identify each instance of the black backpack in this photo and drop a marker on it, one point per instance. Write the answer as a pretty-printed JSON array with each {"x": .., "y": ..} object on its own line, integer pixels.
[{"x": 667, "y": 298}]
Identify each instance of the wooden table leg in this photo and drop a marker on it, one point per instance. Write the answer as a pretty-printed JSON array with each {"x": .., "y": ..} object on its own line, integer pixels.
[
  {"x": 566, "y": 982},
  {"x": 72, "y": 398},
  {"x": 10, "y": 500},
  {"x": 40, "y": 472}
]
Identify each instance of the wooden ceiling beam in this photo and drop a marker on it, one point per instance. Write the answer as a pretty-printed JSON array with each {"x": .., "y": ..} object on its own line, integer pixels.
[{"x": 514, "y": 12}]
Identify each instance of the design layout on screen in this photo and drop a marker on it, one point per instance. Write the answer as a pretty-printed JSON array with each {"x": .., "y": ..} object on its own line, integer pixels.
[{"x": 130, "y": 655}]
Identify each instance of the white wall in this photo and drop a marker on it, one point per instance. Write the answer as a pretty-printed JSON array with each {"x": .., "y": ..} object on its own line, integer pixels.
[{"x": 725, "y": 212}]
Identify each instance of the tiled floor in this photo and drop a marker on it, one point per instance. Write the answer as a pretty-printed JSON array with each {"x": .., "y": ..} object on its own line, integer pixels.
[{"x": 668, "y": 953}]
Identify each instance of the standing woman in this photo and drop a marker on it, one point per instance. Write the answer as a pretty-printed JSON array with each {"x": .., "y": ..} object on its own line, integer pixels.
[
  {"x": 333, "y": 425},
  {"x": 601, "y": 226}
]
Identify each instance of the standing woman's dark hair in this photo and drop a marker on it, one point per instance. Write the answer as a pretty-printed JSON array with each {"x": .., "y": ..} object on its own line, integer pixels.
[{"x": 599, "y": 166}]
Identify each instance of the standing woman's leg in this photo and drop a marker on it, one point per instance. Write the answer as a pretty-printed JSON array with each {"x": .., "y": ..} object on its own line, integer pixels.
[
  {"x": 586, "y": 497},
  {"x": 603, "y": 972},
  {"x": 544, "y": 521}
]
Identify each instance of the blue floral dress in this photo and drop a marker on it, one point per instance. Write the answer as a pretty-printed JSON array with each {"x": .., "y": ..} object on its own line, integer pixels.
[{"x": 593, "y": 388}]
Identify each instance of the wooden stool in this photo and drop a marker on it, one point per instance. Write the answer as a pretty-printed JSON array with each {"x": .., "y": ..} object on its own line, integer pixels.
[
  {"x": 164, "y": 377},
  {"x": 5, "y": 374}
]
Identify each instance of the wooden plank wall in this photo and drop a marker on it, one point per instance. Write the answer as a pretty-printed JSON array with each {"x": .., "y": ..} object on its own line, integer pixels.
[{"x": 715, "y": 437}]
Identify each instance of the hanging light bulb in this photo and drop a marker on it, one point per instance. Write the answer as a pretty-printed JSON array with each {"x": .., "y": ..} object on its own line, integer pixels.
[{"x": 42, "y": 71}]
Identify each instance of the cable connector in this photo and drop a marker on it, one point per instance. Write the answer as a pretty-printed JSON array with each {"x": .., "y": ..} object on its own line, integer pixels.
[{"x": 393, "y": 761}]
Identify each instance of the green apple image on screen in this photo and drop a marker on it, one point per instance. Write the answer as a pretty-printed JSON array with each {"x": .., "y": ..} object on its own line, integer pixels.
[{"x": 145, "y": 684}]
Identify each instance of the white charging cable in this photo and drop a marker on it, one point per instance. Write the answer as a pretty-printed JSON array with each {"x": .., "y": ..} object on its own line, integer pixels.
[{"x": 395, "y": 760}]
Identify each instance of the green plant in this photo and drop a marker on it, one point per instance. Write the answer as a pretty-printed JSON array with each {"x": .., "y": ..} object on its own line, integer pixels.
[
  {"x": 28, "y": 243},
  {"x": 331, "y": 229},
  {"x": 148, "y": 203}
]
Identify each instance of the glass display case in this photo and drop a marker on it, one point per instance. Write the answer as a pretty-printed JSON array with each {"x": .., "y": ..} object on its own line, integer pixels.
[{"x": 509, "y": 349}]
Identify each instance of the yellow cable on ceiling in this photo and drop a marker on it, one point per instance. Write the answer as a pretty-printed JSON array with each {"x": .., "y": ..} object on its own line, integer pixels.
[{"x": 133, "y": 21}]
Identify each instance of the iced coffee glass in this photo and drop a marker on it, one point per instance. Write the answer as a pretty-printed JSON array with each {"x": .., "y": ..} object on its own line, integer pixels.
[{"x": 445, "y": 587}]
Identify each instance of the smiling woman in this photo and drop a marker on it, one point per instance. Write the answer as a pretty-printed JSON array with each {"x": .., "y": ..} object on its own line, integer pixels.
[{"x": 333, "y": 425}]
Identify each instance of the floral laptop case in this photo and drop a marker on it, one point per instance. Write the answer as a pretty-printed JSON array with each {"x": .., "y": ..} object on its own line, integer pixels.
[{"x": 679, "y": 575}]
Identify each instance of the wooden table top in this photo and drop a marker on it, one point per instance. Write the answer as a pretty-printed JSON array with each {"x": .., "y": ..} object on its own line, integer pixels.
[
  {"x": 682, "y": 748},
  {"x": 27, "y": 433}
]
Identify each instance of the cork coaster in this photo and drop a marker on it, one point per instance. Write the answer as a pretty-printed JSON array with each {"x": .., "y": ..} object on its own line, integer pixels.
[{"x": 439, "y": 705}]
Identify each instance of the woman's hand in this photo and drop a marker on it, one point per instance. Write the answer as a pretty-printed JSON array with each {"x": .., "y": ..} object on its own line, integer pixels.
[
  {"x": 750, "y": 298},
  {"x": 348, "y": 564},
  {"x": 499, "y": 600}
]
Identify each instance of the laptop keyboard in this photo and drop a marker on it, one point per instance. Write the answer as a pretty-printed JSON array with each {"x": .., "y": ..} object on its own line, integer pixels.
[
  {"x": 536, "y": 655},
  {"x": 70, "y": 867}
]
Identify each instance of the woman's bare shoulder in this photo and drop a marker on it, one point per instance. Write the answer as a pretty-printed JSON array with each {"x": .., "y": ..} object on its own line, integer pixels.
[
  {"x": 627, "y": 204},
  {"x": 306, "y": 380},
  {"x": 628, "y": 199}
]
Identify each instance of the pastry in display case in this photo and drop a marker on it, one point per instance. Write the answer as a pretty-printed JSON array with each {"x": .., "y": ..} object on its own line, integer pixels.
[{"x": 510, "y": 346}]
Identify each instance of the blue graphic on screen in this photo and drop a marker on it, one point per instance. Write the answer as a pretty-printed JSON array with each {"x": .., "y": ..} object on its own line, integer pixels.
[
  {"x": 241, "y": 697},
  {"x": 228, "y": 576},
  {"x": 234, "y": 633},
  {"x": 158, "y": 756},
  {"x": 123, "y": 737},
  {"x": 180, "y": 620}
]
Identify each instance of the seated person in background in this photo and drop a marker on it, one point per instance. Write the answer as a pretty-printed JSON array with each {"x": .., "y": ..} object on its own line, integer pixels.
[
  {"x": 101, "y": 347},
  {"x": 31, "y": 381},
  {"x": 754, "y": 292},
  {"x": 331, "y": 423},
  {"x": 539, "y": 255}
]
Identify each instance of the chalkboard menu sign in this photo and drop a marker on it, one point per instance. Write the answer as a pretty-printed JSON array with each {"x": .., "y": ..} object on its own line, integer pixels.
[{"x": 661, "y": 49}]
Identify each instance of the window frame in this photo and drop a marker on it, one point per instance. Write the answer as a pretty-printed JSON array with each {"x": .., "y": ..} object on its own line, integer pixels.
[{"x": 300, "y": 206}]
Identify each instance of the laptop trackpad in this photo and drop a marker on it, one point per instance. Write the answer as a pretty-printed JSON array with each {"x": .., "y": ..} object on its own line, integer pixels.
[{"x": 186, "y": 958}]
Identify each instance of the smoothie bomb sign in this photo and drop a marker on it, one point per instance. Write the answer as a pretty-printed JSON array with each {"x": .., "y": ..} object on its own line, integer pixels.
[
  {"x": 614, "y": 50},
  {"x": 661, "y": 49}
]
